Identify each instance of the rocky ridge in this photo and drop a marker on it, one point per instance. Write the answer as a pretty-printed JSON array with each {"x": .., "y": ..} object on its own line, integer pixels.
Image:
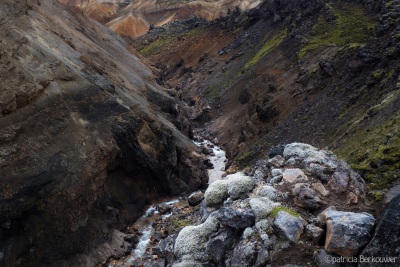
[{"x": 253, "y": 219}]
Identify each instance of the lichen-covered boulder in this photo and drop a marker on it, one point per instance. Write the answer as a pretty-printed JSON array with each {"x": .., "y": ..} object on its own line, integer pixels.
[
  {"x": 191, "y": 241},
  {"x": 216, "y": 193},
  {"x": 239, "y": 185},
  {"x": 262, "y": 207},
  {"x": 267, "y": 191}
]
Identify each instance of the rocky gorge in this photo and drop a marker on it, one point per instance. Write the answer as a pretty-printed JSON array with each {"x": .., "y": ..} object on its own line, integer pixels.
[{"x": 112, "y": 149}]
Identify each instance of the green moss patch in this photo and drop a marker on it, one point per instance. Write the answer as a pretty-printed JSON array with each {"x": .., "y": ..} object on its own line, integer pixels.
[
  {"x": 270, "y": 43},
  {"x": 180, "y": 223},
  {"x": 352, "y": 26},
  {"x": 375, "y": 152},
  {"x": 277, "y": 209}
]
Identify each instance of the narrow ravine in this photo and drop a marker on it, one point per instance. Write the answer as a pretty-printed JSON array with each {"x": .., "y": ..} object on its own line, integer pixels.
[{"x": 145, "y": 225}]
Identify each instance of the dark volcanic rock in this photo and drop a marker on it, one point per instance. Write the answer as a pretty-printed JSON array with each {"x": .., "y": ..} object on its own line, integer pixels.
[
  {"x": 235, "y": 218},
  {"x": 244, "y": 254},
  {"x": 386, "y": 240},
  {"x": 289, "y": 226}
]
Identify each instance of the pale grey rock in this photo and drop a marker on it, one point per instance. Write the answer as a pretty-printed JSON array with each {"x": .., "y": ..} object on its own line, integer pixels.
[
  {"x": 216, "y": 193},
  {"x": 262, "y": 207},
  {"x": 239, "y": 185},
  {"x": 294, "y": 176}
]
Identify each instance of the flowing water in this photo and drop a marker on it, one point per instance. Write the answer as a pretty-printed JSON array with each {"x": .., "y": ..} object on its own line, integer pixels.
[{"x": 145, "y": 223}]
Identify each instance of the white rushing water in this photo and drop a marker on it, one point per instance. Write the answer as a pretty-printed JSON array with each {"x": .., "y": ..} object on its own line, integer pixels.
[{"x": 218, "y": 159}]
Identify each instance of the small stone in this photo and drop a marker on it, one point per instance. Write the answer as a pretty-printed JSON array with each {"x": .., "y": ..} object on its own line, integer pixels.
[
  {"x": 248, "y": 232},
  {"x": 351, "y": 198},
  {"x": 320, "y": 188},
  {"x": 288, "y": 226},
  {"x": 276, "y": 172},
  {"x": 294, "y": 176},
  {"x": 277, "y": 161},
  {"x": 267, "y": 191},
  {"x": 306, "y": 197}
]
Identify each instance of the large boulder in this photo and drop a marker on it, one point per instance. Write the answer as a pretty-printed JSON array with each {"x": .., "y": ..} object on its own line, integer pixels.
[
  {"x": 239, "y": 185},
  {"x": 347, "y": 232},
  {"x": 288, "y": 226},
  {"x": 386, "y": 240},
  {"x": 216, "y": 193},
  {"x": 190, "y": 245}
]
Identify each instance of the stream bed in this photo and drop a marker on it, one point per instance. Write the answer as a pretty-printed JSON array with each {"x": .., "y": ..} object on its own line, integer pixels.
[{"x": 164, "y": 217}]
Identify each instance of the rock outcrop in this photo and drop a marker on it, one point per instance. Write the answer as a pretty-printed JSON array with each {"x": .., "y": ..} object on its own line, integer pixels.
[
  {"x": 386, "y": 239},
  {"x": 87, "y": 137},
  {"x": 277, "y": 219}
]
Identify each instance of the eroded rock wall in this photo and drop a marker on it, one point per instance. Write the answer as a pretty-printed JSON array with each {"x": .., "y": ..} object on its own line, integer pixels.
[{"x": 82, "y": 145}]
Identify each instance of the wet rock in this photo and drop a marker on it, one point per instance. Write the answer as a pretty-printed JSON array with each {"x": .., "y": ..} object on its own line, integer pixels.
[
  {"x": 294, "y": 176},
  {"x": 218, "y": 245},
  {"x": 206, "y": 150},
  {"x": 386, "y": 239},
  {"x": 306, "y": 197},
  {"x": 288, "y": 226},
  {"x": 244, "y": 254},
  {"x": 347, "y": 232},
  {"x": 314, "y": 232},
  {"x": 277, "y": 161},
  {"x": 216, "y": 193},
  {"x": 236, "y": 218},
  {"x": 195, "y": 198},
  {"x": 267, "y": 191},
  {"x": 163, "y": 208},
  {"x": 324, "y": 259},
  {"x": 239, "y": 185},
  {"x": 208, "y": 164},
  {"x": 191, "y": 241},
  {"x": 262, "y": 207}
]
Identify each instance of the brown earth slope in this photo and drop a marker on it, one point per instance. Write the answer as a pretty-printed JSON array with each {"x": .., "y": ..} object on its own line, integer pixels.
[
  {"x": 324, "y": 73},
  {"x": 86, "y": 138}
]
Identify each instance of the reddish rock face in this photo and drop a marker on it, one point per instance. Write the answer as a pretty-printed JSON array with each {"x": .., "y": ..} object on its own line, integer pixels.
[{"x": 133, "y": 18}]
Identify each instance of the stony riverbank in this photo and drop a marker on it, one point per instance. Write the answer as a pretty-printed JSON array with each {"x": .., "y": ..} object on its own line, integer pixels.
[{"x": 300, "y": 205}]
